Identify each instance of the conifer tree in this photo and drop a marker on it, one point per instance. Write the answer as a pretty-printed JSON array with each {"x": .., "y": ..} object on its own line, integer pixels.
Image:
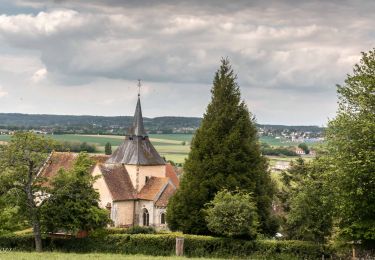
[
  {"x": 108, "y": 148},
  {"x": 224, "y": 154}
]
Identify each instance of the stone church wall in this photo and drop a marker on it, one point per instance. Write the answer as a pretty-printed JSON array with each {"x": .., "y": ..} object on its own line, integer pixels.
[
  {"x": 156, "y": 171},
  {"x": 122, "y": 213}
]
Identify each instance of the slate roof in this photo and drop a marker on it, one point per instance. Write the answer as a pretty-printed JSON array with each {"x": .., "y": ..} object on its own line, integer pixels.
[
  {"x": 137, "y": 128},
  {"x": 118, "y": 181},
  {"x": 136, "y": 148}
]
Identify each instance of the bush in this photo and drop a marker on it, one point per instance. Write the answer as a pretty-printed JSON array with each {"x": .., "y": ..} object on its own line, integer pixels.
[
  {"x": 75, "y": 147},
  {"x": 164, "y": 245},
  {"x": 279, "y": 151},
  {"x": 140, "y": 230},
  {"x": 232, "y": 214}
]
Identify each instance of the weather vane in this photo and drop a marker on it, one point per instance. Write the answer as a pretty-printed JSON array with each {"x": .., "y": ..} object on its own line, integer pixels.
[{"x": 139, "y": 87}]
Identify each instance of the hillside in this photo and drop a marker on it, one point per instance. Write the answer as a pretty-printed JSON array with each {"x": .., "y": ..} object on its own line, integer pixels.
[{"x": 118, "y": 124}]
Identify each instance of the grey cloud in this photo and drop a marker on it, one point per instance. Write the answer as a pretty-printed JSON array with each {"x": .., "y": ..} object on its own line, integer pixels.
[{"x": 292, "y": 47}]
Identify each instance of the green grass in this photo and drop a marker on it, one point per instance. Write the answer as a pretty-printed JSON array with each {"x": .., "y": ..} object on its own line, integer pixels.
[
  {"x": 175, "y": 137},
  {"x": 177, "y": 158},
  {"x": 73, "y": 256},
  {"x": 103, "y": 256}
]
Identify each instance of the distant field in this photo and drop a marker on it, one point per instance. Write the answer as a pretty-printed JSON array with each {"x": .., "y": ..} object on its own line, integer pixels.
[
  {"x": 276, "y": 142},
  {"x": 168, "y": 145}
]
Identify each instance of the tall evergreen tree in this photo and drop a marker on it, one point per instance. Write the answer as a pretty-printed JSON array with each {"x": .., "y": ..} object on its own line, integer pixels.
[{"x": 224, "y": 154}]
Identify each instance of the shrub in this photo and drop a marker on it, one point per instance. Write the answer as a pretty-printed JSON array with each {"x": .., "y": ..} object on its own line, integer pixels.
[
  {"x": 141, "y": 230},
  {"x": 232, "y": 214},
  {"x": 164, "y": 245}
]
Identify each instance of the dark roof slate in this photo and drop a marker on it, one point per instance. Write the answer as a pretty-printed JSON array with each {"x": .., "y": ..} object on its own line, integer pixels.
[{"x": 136, "y": 148}]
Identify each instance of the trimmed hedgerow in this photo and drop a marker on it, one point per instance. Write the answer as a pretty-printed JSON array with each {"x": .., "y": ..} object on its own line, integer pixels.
[
  {"x": 129, "y": 230},
  {"x": 164, "y": 245}
]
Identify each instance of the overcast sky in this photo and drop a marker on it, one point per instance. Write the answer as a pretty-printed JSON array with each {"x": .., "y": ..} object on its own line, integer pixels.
[{"x": 84, "y": 57}]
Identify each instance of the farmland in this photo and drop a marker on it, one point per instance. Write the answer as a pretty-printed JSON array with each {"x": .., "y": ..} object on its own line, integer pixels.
[{"x": 173, "y": 147}]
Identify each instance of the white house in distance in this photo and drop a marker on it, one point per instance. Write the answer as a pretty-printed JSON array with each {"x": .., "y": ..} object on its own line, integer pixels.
[{"x": 135, "y": 183}]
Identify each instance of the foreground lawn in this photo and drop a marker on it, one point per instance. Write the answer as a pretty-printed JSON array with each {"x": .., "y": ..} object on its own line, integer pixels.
[{"x": 73, "y": 256}]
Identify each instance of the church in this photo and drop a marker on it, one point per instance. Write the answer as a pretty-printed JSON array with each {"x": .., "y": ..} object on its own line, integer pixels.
[{"x": 135, "y": 183}]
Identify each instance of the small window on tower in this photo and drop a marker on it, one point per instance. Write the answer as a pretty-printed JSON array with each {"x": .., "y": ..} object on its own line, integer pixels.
[{"x": 147, "y": 178}]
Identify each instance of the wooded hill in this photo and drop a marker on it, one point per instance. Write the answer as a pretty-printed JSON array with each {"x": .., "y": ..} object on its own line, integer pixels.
[{"x": 116, "y": 124}]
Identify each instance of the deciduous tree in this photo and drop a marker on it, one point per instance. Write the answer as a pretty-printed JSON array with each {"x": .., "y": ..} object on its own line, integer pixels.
[
  {"x": 20, "y": 162},
  {"x": 351, "y": 145},
  {"x": 73, "y": 203}
]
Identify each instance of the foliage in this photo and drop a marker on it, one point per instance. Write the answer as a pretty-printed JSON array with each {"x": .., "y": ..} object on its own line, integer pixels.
[
  {"x": 140, "y": 230},
  {"x": 351, "y": 145},
  {"x": 304, "y": 147},
  {"x": 307, "y": 200},
  {"x": 164, "y": 245},
  {"x": 108, "y": 148},
  {"x": 20, "y": 184},
  {"x": 232, "y": 214},
  {"x": 11, "y": 219},
  {"x": 224, "y": 154},
  {"x": 72, "y": 204},
  {"x": 266, "y": 149},
  {"x": 75, "y": 147}
]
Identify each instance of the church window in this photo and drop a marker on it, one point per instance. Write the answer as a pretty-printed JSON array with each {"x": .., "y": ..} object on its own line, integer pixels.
[
  {"x": 162, "y": 218},
  {"x": 145, "y": 217},
  {"x": 146, "y": 179}
]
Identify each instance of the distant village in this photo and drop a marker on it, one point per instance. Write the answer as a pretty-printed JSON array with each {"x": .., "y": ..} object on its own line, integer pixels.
[{"x": 289, "y": 134}]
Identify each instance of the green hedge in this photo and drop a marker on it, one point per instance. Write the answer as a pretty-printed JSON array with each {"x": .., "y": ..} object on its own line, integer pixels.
[{"x": 164, "y": 245}]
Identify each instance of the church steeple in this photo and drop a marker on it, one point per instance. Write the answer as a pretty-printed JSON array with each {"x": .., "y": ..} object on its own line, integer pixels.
[
  {"x": 138, "y": 128},
  {"x": 136, "y": 148}
]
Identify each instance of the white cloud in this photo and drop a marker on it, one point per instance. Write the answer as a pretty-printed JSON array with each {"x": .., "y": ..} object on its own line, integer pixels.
[
  {"x": 3, "y": 93},
  {"x": 39, "y": 75}
]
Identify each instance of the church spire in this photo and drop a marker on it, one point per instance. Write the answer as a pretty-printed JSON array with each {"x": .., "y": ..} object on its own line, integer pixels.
[
  {"x": 136, "y": 148},
  {"x": 137, "y": 128}
]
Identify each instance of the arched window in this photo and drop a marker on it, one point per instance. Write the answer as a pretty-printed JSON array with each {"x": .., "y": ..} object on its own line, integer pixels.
[
  {"x": 145, "y": 217},
  {"x": 162, "y": 218}
]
